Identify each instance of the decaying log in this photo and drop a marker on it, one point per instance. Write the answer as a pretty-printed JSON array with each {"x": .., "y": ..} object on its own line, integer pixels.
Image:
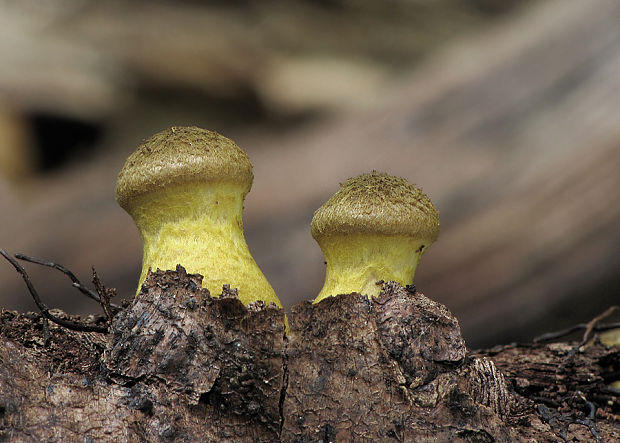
[{"x": 181, "y": 365}]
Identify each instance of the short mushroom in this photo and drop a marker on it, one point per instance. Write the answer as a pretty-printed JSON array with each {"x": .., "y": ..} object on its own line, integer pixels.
[
  {"x": 184, "y": 188},
  {"x": 376, "y": 227}
]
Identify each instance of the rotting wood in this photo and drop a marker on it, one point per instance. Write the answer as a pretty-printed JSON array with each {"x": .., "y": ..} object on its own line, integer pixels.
[{"x": 181, "y": 365}]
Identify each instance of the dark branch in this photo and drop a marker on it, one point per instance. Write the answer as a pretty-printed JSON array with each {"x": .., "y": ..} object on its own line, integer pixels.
[
  {"x": 105, "y": 295},
  {"x": 75, "y": 326},
  {"x": 76, "y": 282},
  {"x": 578, "y": 327},
  {"x": 592, "y": 324}
]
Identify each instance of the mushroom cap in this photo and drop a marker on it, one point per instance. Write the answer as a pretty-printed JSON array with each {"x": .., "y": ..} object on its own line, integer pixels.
[
  {"x": 377, "y": 203},
  {"x": 180, "y": 155}
]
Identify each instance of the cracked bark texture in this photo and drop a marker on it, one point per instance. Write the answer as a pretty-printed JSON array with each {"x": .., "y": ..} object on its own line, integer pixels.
[{"x": 180, "y": 365}]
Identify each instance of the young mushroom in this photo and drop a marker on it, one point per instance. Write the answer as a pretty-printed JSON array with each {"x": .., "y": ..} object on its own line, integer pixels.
[
  {"x": 376, "y": 227},
  {"x": 184, "y": 188}
]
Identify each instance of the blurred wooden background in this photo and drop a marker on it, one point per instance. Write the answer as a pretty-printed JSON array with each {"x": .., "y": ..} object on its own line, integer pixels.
[{"x": 506, "y": 113}]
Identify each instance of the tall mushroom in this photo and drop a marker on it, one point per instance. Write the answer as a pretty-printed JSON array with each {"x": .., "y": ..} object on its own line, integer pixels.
[
  {"x": 184, "y": 188},
  {"x": 376, "y": 227}
]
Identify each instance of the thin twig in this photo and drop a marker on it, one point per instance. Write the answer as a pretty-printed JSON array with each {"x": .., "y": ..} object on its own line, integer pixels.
[
  {"x": 76, "y": 282},
  {"x": 594, "y": 322},
  {"x": 592, "y": 427},
  {"x": 75, "y": 326},
  {"x": 578, "y": 327},
  {"x": 591, "y": 406},
  {"x": 105, "y": 295}
]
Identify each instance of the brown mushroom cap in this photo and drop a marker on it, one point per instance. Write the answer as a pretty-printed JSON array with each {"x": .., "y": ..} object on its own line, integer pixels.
[
  {"x": 377, "y": 203},
  {"x": 182, "y": 155}
]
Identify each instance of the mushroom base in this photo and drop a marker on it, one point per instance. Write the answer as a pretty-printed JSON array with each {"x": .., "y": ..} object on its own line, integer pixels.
[
  {"x": 355, "y": 263},
  {"x": 199, "y": 226}
]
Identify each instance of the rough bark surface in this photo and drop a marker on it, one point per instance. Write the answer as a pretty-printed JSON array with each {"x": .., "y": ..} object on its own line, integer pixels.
[{"x": 178, "y": 364}]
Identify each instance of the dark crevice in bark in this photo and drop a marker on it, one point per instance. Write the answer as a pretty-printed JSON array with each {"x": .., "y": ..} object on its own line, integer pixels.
[{"x": 284, "y": 385}]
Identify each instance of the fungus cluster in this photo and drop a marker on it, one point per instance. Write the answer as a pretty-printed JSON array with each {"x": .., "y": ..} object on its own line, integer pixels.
[{"x": 185, "y": 187}]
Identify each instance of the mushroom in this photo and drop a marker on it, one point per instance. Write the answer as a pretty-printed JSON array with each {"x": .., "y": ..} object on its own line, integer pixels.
[
  {"x": 184, "y": 187},
  {"x": 376, "y": 227}
]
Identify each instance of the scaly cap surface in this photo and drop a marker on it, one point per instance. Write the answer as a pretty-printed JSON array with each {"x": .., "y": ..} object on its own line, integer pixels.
[
  {"x": 181, "y": 155},
  {"x": 377, "y": 203}
]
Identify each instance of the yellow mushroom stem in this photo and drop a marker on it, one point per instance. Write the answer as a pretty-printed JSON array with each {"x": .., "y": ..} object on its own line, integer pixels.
[
  {"x": 199, "y": 225},
  {"x": 355, "y": 262}
]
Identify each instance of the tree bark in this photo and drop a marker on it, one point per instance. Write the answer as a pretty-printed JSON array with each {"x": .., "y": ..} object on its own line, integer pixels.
[{"x": 178, "y": 364}]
